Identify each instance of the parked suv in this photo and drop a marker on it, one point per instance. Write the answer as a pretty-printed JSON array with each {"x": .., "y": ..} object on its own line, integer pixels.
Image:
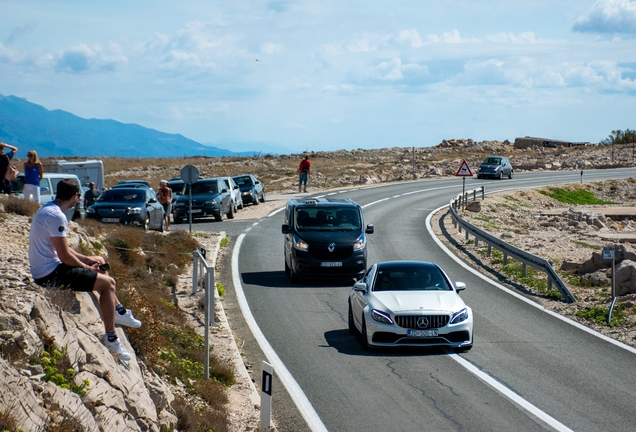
[
  {"x": 325, "y": 237},
  {"x": 495, "y": 167},
  {"x": 48, "y": 189},
  {"x": 210, "y": 197}
]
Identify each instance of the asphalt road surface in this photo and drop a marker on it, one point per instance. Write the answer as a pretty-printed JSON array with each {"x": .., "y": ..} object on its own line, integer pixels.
[{"x": 529, "y": 370}]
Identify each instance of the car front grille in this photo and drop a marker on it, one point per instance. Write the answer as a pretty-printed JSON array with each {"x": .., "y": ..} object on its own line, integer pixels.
[
  {"x": 321, "y": 253},
  {"x": 110, "y": 213},
  {"x": 410, "y": 321}
]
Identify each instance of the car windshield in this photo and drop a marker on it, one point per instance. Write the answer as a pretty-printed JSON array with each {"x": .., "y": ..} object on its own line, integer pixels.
[
  {"x": 411, "y": 278},
  {"x": 492, "y": 161},
  {"x": 122, "y": 196},
  {"x": 327, "y": 219},
  {"x": 205, "y": 188},
  {"x": 243, "y": 181}
]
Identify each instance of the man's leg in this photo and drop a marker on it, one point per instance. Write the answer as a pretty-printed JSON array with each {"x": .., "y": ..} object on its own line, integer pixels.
[{"x": 105, "y": 286}]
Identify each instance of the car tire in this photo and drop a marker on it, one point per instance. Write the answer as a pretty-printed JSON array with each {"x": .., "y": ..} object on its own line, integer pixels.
[
  {"x": 241, "y": 206},
  {"x": 218, "y": 217},
  {"x": 160, "y": 229},
  {"x": 510, "y": 175},
  {"x": 147, "y": 223},
  {"x": 263, "y": 197},
  {"x": 287, "y": 269},
  {"x": 365, "y": 336},
  {"x": 255, "y": 201},
  {"x": 352, "y": 325},
  {"x": 230, "y": 214},
  {"x": 500, "y": 175}
]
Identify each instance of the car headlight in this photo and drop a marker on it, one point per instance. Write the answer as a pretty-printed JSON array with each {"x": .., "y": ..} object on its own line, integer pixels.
[
  {"x": 460, "y": 316},
  {"x": 180, "y": 204},
  {"x": 247, "y": 193},
  {"x": 91, "y": 210},
  {"x": 380, "y": 316},
  {"x": 134, "y": 210},
  {"x": 360, "y": 243},
  {"x": 300, "y": 244},
  {"x": 210, "y": 202}
]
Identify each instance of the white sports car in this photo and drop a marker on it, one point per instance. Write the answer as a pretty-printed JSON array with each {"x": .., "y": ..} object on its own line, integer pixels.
[{"x": 410, "y": 303}]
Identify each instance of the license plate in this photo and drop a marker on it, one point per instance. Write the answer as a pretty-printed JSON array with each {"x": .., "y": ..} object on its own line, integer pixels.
[
  {"x": 330, "y": 264},
  {"x": 110, "y": 220},
  {"x": 197, "y": 211},
  {"x": 421, "y": 333}
]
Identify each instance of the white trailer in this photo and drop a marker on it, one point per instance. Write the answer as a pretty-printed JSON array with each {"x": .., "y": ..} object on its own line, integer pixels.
[{"x": 87, "y": 171}]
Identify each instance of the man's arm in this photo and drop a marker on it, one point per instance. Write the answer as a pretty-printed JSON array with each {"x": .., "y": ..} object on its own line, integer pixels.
[{"x": 71, "y": 258}]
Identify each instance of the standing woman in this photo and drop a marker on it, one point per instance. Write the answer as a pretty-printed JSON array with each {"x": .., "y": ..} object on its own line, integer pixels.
[{"x": 33, "y": 173}]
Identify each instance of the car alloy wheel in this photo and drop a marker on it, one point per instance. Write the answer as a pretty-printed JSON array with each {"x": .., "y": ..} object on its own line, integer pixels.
[
  {"x": 352, "y": 326},
  {"x": 365, "y": 336}
]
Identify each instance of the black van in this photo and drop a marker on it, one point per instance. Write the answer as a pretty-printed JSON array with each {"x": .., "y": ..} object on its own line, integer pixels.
[{"x": 325, "y": 237}]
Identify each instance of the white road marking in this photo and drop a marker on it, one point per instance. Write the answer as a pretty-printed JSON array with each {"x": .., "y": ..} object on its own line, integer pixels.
[{"x": 298, "y": 396}]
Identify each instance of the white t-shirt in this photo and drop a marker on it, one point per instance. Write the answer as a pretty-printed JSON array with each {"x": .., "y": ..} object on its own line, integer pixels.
[{"x": 48, "y": 222}]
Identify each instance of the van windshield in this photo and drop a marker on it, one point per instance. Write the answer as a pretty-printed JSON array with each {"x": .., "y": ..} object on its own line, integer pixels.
[{"x": 327, "y": 219}]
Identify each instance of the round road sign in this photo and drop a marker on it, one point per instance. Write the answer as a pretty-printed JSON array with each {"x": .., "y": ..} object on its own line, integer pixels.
[{"x": 189, "y": 174}]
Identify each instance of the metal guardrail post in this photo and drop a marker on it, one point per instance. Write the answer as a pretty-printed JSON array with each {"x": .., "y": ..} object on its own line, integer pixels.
[{"x": 195, "y": 268}]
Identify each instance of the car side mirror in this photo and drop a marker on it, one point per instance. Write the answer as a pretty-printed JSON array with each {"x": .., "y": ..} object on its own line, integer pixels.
[
  {"x": 369, "y": 229},
  {"x": 152, "y": 200},
  {"x": 460, "y": 286},
  {"x": 285, "y": 229},
  {"x": 224, "y": 191},
  {"x": 236, "y": 187},
  {"x": 360, "y": 286}
]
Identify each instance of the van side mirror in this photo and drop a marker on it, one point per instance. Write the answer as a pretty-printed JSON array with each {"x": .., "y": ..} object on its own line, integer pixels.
[
  {"x": 285, "y": 229},
  {"x": 369, "y": 229}
]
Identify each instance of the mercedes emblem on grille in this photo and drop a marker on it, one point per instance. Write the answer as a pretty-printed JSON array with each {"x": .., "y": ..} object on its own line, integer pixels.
[
  {"x": 422, "y": 322},
  {"x": 331, "y": 247}
]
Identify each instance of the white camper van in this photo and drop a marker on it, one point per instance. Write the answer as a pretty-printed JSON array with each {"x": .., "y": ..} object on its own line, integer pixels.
[
  {"x": 87, "y": 171},
  {"x": 48, "y": 189}
]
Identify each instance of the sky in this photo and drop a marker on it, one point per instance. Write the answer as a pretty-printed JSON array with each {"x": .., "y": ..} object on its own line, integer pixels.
[{"x": 309, "y": 75}]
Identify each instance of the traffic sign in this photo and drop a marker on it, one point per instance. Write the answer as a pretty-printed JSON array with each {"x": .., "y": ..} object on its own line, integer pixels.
[
  {"x": 189, "y": 174},
  {"x": 608, "y": 254},
  {"x": 464, "y": 170}
]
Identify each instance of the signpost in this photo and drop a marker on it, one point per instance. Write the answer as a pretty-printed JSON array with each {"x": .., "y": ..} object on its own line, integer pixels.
[
  {"x": 190, "y": 175},
  {"x": 464, "y": 171},
  {"x": 266, "y": 397},
  {"x": 609, "y": 254}
]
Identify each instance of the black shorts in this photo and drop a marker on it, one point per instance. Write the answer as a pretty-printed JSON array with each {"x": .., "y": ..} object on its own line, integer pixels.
[{"x": 74, "y": 278}]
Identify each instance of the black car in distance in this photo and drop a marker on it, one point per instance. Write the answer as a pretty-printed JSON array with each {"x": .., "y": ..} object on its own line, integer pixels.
[
  {"x": 210, "y": 197},
  {"x": 136, "y": 206},
  {"x": 251, "y": 189}
]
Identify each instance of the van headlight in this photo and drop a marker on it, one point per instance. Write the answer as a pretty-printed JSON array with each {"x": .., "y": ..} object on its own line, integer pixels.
[
  {"x": 360, "y": 243},
  {"x": 300, "y": 244}
]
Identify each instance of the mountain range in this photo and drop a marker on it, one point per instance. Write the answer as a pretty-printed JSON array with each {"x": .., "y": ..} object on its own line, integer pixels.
[{"x": 57, "y": 133}]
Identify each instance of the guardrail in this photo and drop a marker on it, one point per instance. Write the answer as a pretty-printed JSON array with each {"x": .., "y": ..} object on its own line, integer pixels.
[
  {"x": 520, "y": 255},
  {"x": 203, "y": 279}
]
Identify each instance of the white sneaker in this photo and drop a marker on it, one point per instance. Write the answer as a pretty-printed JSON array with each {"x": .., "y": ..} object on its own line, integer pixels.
[
  {"x": 127, "y": 319},
  {"x": 117, "y": 348}
]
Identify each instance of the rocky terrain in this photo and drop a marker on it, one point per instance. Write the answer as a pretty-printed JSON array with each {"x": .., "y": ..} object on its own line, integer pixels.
[{"x": 132, "y": 397}]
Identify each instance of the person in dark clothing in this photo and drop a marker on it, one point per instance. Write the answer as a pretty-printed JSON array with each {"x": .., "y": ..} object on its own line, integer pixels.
[
  {"x": 5, "y": 161},
  {"x": 91, "y": 195}
]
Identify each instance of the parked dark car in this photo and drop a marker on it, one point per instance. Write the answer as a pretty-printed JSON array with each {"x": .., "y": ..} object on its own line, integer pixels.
[
  {"x": 496, "y": 167},
  {"x": 251, "y": 189},
  {"x": 177, "y": 186},
  {"x": 136, "y": 206},
  {"x": 210, "y": 197}
]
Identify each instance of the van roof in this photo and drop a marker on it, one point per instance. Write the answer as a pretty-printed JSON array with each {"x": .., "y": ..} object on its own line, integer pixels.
[{"x": 322, "y": 202}]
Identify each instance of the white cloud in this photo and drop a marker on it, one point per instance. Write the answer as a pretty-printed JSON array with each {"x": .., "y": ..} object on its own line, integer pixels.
[
  {"x": 394, "y": 70},
  {"x": 525, "y": 37},
  {"x": 411, "y": 37},
  {"x": 608, "y": 16},
  {"x": 84, "y": 58},
  {"x": 451, "y": 37},
  {"x": 270, "y": 48}
]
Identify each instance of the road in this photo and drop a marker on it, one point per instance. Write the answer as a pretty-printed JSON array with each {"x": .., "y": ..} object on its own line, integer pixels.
[{"x": 528, "y": 370}]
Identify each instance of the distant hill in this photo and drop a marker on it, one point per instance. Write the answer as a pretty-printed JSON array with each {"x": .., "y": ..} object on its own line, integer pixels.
[{"x": 58, "y": 133}]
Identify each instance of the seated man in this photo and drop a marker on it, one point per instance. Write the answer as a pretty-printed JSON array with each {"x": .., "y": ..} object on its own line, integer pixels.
[{"x": 54, "y": 263}]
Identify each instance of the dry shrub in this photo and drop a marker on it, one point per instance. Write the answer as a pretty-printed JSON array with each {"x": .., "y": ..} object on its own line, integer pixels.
[
  {"x": 212, "y": 392},
  {"x": 8, "y": 422},
  {"x": 13, "y": 204},
  {"x": 192, "y": 418}
]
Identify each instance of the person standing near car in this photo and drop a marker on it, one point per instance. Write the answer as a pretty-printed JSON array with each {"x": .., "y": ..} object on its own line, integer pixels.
[
  {"x": 91, "y": 195},
  {"x": 54, "y": 264},
  {"x": 165, "y": 199},
  {"x": 303, "y": 173},
  {"x": 33, "y": 173},
  {"x": 5, "y": 161}
]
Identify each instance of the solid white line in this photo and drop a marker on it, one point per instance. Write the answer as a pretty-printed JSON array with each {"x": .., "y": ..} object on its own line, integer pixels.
[
  {"x": 514, "y": 397},
  {"x": 300, "y": 399}
]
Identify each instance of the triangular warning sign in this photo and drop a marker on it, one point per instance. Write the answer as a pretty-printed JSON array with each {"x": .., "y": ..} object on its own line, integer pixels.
[{"x": 464, "y": 170}]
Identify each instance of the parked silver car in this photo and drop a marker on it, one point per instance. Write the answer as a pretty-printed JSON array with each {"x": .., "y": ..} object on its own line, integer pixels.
[
  {"x": 496, "y": 167},
  {"x": 235, "y": 191}
]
